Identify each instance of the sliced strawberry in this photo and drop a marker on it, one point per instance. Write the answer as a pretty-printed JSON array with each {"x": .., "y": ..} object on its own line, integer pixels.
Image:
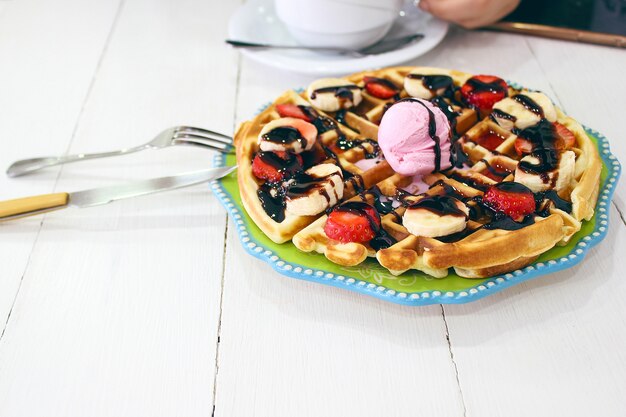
[
  {"x": 380, "y": 87},
  {"x": 566, "y": 137},
  {"x": 275, "y": 166},
  {"x": 292, "y": 110},
  {"x": 483, "y": 91},
  {"x": 511, "y": 198},
  {"x": 352, "y": 222},
  {"x": 523, "y": 146}
]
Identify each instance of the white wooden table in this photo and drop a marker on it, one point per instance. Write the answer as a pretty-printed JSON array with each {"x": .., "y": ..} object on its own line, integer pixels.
[{"x": 151, "y": 307}]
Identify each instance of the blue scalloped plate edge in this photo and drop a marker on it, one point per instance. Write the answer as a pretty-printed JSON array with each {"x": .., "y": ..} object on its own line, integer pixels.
[{"x": 424, "y": 298}]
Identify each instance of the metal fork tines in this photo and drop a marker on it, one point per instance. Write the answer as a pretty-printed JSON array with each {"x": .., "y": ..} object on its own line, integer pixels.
[{"x": 179, "y": 135}]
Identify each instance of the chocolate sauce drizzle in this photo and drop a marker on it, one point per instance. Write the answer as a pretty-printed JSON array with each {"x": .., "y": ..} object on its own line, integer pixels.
[
  {"x": 550, "y": 196},
  {"x": 442, "y": 205},
  {"x": 495, "y": 172},
  {"x": 432, "y": 130},
  {"x": 288, "y": 167},
  {"x": 344, "y": 144},
  {"x": 272, "y": 199},
  {"x": 340, "y": 91},
  {"x": 504, "y": 222},
  {"x": 340, "y": 115},
  {"x": 284, "y": 135},
  {"x": 382, "y": 238},
  {"x": 354, "y": 179},
  {"x": 502, "y": 115},
  {"x": 385, "y": 82},
  {"x": 529, "y": 104},
  {"x": 543, "y": 138},
  {"x": 458, "y": 157},
  {"x": 494, "y": 86},
  {"x": 433, "y": 82},
  {"x": 322, "y": 123}
]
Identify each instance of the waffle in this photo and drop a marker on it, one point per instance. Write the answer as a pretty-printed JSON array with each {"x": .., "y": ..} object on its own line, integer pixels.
[{"x": 485, "y": 155}]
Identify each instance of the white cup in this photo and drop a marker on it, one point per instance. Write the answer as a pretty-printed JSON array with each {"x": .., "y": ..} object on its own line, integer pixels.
[{"x": 352, "y": 24}]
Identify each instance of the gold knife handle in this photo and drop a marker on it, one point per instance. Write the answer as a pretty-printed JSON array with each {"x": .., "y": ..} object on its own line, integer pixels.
[{"x": 28, "y": 206}]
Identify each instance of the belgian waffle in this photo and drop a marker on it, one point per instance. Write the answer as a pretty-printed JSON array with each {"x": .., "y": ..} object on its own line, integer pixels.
[{"x": 484, "y": 155}]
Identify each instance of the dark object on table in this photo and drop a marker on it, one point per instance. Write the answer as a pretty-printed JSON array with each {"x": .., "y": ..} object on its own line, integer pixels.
[{"x": 592, "y": 21}]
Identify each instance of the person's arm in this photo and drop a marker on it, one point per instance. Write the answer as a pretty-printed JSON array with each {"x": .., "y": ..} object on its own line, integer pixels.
[{"x": 469, "y": 13}]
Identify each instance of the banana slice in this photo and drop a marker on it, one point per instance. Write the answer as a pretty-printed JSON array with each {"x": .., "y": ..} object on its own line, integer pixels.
[
  {"x": 321, "y": 187},
  {"x": 287, "y": 134},
  {"x": 523, "y": 110},
  {"x": 333, "y": 94},
  {"x": 436, "y": 216},
  {"x": 417, "y": 85},
  {"x": 559, "y": 179}
]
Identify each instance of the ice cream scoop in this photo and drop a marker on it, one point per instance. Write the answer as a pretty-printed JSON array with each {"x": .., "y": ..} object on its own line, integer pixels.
[{"x": 414, "y": 136}]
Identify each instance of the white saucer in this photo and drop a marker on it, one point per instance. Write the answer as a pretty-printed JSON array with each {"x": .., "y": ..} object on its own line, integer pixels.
[{"x": 256, "y": 21}]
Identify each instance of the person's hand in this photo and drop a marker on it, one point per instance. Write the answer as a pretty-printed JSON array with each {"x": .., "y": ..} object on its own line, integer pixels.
[{"x": 469, "y": 13}]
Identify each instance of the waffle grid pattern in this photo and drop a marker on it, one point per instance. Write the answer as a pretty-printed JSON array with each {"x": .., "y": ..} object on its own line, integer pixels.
[{"x": 492, "y": 285}]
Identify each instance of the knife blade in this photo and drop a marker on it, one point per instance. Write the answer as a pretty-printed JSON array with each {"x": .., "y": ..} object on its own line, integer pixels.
[{"x": 28, "y": 206}]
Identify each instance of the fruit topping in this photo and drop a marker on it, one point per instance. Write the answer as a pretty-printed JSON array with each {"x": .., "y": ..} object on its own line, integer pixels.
[
  {"x": 546, "y": 169},
  {"x": 510, "y": 198},
  {"x": 427, "y": 86},
  {"x": 352, "y": 222},
  {"x": 292, "y": 110},
  {"x": 333, "y": 94},
  {"x": 523, "y": 146},
  {"x": 565, "y": 137},
  {"x": 276, "y": 166},
  {"x": 434, "y": 216},
  {"x": 545, "y": 135},
  {"x": 313, "y": 191},
  {"x": 523, "y": 110},
  {"x": 483, "y": 91},
  {"x": 380, "y": 87},
  {"x": 287, "y": 134}
]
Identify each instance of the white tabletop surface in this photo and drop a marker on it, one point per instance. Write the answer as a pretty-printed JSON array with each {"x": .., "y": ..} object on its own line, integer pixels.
[{"x": 151, "y": 307}]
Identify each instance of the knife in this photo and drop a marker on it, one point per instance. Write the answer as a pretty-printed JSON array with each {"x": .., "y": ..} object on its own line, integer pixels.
[{"x": 28, "y": 206}]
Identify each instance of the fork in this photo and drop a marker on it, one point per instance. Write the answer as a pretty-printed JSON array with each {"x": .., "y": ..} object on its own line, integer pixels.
[{"x": 179, "y": 135}]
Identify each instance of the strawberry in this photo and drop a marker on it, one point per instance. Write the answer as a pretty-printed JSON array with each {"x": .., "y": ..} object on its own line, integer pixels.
[
  {"x": 523, "y": 146},
  {"x": 565, "y": 136},
  {"x": 275, "y": 166},
  {"x": 292, "y": 110},
  {"x": 511, "y": 198},
  {"x": 483, "y": 91},
  {"x": 380, "y": 87},
  {"x": 352, "y": 222}
]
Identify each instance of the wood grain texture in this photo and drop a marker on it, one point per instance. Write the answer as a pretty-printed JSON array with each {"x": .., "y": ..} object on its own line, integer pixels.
[
  {"x": 295, "y": 348},
  {"x": 589, "y": 81},
  {"x": 551, "y": 346},
  {"x": 118, "y": 309},
  {"x": 41, "y": 96},
  {"x": 118, "y": 312}
]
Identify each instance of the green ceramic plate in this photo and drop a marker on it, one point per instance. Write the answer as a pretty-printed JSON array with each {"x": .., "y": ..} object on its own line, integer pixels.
[{"x": 414, "y": 287}]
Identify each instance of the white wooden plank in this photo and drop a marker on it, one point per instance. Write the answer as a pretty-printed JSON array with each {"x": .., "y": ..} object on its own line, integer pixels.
[
  {"x": 119, "y": 307},
  {"x": 49, "y": 53},
  {"x": 550, "y": 346},
  {"x": 553, "y": 346},
  {"x": 588, "y": 80},
  {"x": 294, "y": 348}
]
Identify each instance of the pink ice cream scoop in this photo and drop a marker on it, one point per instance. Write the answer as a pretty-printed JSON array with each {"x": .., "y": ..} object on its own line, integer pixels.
[{"x": 414, "y": 136}]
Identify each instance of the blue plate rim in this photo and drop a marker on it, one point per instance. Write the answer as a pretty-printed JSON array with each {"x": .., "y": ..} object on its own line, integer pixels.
[{"x": 423, "y": 298}]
